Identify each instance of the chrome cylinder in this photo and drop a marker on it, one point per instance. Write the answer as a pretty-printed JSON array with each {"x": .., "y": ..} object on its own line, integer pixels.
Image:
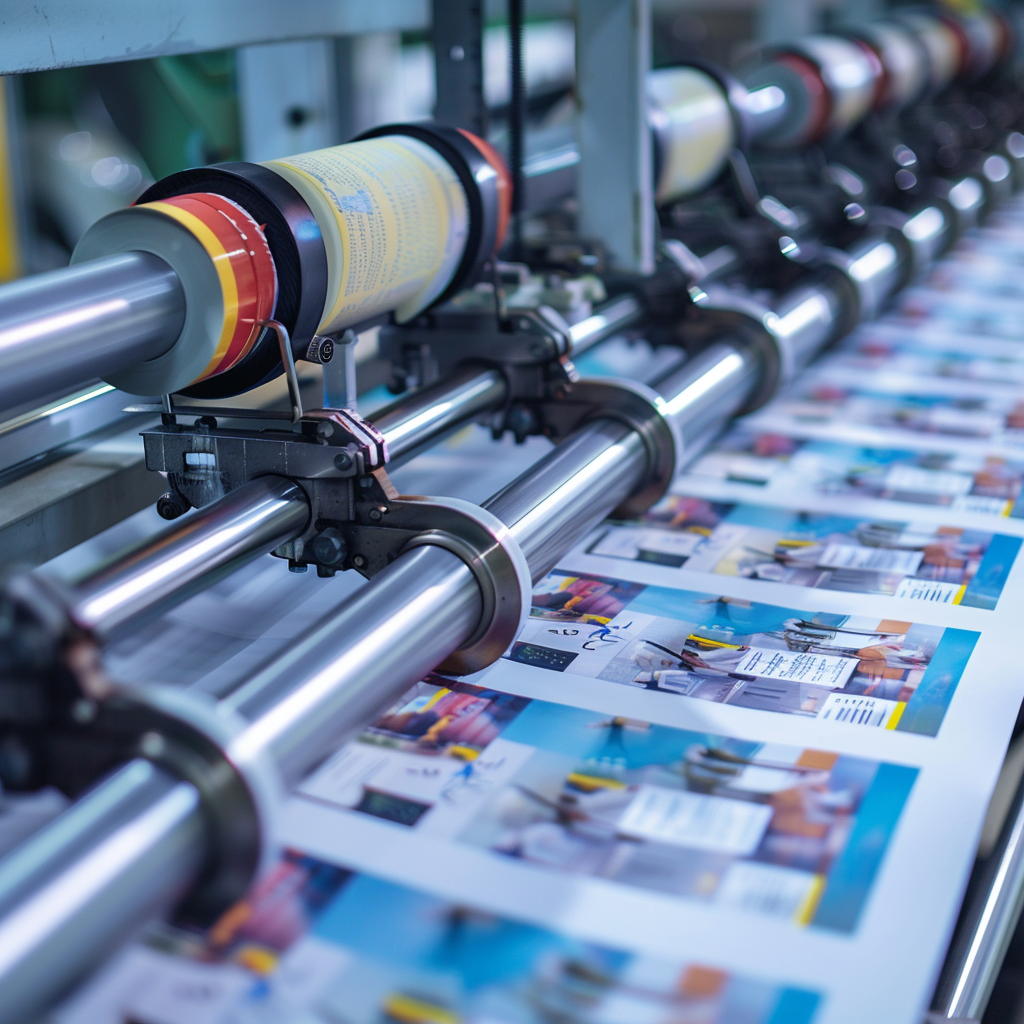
[
  {"x": 60, "y": 329},
  {"x": 708, "y": 389},
  {"x": 428, "y": 414},
  {"x": 606, "y": 321},
  {"x": 807, "y": 318},
  {"x": 987, "y": 925},
  {"x": 68, "y": 895},
  {"x": 356, "y": 661},
  {"x": 162, "y": 571},
  {"x": 568, "y": 492}
]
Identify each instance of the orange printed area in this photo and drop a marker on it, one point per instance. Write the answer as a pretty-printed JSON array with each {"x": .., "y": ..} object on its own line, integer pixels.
[
  {"x": 245, "y": 269},
  {"x": 702, "y": 982},
  {"x": 822, "y": 759}
]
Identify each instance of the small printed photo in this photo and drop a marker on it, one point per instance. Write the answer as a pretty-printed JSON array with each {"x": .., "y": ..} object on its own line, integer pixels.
[
  {"x": 317, "y": 944},
  {"x": 913, "y": 561},
  {"x": 854, "y": 669}
]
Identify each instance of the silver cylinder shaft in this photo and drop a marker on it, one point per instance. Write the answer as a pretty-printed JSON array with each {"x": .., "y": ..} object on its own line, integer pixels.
[
  {"x": 160, "y": 572},
  {"x": 60, "y": 329},
  {"x": 125, "y": 852}
]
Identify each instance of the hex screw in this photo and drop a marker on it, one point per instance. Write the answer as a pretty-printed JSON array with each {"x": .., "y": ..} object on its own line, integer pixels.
[{"x": 329, "y": 547}]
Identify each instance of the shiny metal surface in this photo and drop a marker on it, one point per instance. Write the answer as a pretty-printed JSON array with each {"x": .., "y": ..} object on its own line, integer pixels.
[
  {"x": 70, "y": 326},
  {"x": 878, "y": 272},
  {"x": 121, "y": 854},
  {"x": 607, "y": 320},
  {"x": 709, "y": 388},
  {"x": 194, "y": 553},
  {"x": 929, "y": 233},
  {"x": 805, "y": 320},
  {"x": 765, "y": 108},
  {"x": 356, "y": 661},
  {"x": 987, "y": 925},
  {"x": 569, "y": 491},
  {"x": 426, "y": 415}
]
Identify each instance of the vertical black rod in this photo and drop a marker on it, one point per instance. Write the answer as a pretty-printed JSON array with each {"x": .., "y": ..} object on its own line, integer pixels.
[{"x": 516, "y": 120}]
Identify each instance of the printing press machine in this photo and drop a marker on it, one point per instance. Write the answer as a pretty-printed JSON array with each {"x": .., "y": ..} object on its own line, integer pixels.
[{"x": 740, "y": 224}]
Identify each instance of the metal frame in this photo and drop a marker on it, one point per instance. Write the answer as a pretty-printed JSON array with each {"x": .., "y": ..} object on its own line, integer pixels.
[
  {"x": 66, "y": 33},
  {"x": 615, "y": 178}
]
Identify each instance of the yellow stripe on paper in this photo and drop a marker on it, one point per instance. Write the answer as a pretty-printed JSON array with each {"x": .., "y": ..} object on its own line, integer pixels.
[
  {"x": 894, "y": 718},
  {"x": 960, "y": 593},
  {"x": 809, "y": 904}
]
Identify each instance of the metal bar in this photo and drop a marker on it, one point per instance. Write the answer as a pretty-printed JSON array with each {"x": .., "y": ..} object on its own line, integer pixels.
[
  {"x": 973, "y": 962},
  {"x": 428, "y": 414},
  {"x": 162, "y": 571},
  {"x": 606, "y": 321},
  {"x": 69, "y": 894},
  {"x": 615, "y": 182},
  {"x": 64, "y": 33},
  {"x": 60, "y": 329},
  {"x": 357, "y": 660}
]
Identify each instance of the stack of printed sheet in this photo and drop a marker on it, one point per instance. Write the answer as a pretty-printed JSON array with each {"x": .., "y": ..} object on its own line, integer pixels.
[{"x": 733, "y": 772}]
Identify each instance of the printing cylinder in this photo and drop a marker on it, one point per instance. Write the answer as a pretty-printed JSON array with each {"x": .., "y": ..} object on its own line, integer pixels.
[
  {"x": 905, "y": 68},
  {"x": 942, "y": 45},
  {"x": 392, "y": 223},
  {"x": 830, "y": 83},
  {"x": 694, "y": 127}
]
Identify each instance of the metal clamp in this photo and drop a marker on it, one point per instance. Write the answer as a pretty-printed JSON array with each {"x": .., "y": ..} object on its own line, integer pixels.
[
  {"x": 57, "y": 684},
  {"x": 640, "y": 408},
  {"x": 384, "y": 524},
  {"x": 530, "y": 347},
  {"x": 346, "y": 428}
]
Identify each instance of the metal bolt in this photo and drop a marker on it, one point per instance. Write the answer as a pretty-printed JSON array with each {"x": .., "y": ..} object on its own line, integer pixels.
[
  {"x": 343, "y": 460},
  {"x": 329, "y": 547},
  {"x": 457, "y": 53},
  {"x": 358, "y": 561},
  {"x": 324, "y": 429},
  {"x": 376, "y": 514}
]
